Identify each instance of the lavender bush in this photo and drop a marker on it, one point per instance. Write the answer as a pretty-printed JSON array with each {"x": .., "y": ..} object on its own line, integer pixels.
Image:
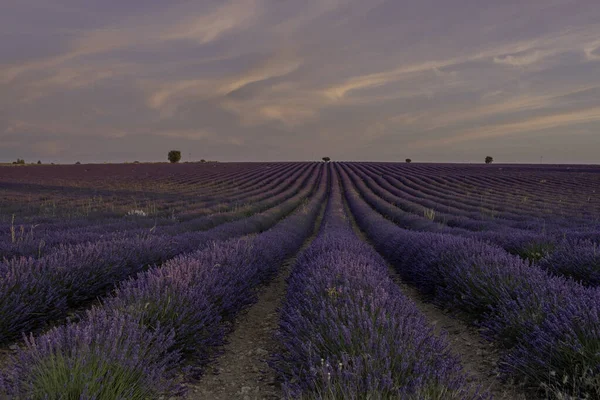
[
  {"x": 189, "y": 295},
  {"x": 579, "y": 259},
  {"x": 109, "y": 356}
]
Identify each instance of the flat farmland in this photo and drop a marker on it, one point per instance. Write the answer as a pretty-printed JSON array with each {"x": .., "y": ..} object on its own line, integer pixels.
[{"x": 299, "y": 280}]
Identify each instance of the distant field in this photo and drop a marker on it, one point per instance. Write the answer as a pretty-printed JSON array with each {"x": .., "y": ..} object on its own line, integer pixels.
[{"x": 134, "y": 278}]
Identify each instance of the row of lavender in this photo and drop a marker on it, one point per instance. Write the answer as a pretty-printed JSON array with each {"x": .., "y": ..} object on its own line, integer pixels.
[
  {"x": 347, "y": 331},
  {"x": 548, "y": 326},
  {"x": 573, "y": 253},
  {"x": 16, "y": 230},
  {"x": 163, "y": 323},
  {"x": 454, "y": 207},
  {"x": 40, "y": 193},
  {"x": 196, "y": 204},
  {"x": 270, "y": 192},
  {"x": 553, "y": 211},
  {"x": 560, "y": 190},
  {"x": 34, "y": 292}
]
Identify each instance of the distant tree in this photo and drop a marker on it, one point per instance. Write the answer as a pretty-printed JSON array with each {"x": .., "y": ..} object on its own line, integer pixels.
[
  {"x": 408, "y": 160},
  {"x": 203, "y": 160},
  {"x": 77, "y": 163},
  {"x": 174, "y": 156},
  {"x": 39, "y": 162},
  {"x": 326, "y": 159},
  {"x": 136, "y": 162},
  {"x": 489, "y": 160},
  {"x": 19, "y": 161}
]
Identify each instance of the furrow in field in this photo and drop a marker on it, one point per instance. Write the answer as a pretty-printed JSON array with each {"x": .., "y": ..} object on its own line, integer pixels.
[
  {"x": 525, "y": 194},
  {"x": 185, "y": 200},
  {"x": 38, "y": 246},
  {"x": 507, "y": 205},
  {"x": 243, "y": 371},
  {"x": 479, "y": 357}
]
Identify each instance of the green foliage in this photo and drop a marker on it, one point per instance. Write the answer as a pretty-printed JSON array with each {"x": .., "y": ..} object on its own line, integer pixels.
[
  {"x": 408, "y": 160},
  {"x": 64, "y": 378},
  {"x": 39, "y": 162},
  {"x": 535, "y": 251},
  {"x": 489, "y": 160},
  {"x": 429, "y": 213},
  {"x": 579, "y": 385},
  {"x": 326, "y": 159},
  {"x": 19, "y": 161},
  {"x": 174, "y": 156}
]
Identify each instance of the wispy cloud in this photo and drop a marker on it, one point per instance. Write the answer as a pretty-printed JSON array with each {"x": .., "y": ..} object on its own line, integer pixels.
[
  {"x": 276, "y": 106},
  {"x": 382, "y": 78},
  {"x": 205, "y": 28},
  {"x": 501, "y": 105},
  {"x": 182, "y": 23},
  {"x": 523, "y": 59},
  {"x": 279, "y": 65},
  {"x": 508, "y": 129},
  {"x": 191, "y": 134},
  {"x": 519, "y": 54},
  {"x": 592, "y": 51}
]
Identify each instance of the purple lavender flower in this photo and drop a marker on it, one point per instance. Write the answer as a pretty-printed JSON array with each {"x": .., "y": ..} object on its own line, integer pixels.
[{"x": 109, "y": 356}]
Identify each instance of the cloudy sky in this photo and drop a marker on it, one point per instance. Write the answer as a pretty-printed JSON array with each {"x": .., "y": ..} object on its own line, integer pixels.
[{"x": 433, "y": 80}]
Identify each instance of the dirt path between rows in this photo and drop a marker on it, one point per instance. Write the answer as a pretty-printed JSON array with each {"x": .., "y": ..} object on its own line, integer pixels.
[
  {"x": 242, "y": 371},
  {"x": 479, "y": 357}
]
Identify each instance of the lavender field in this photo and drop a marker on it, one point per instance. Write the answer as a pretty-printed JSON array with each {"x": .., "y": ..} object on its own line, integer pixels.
[{"x": 337, "y": 280}]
